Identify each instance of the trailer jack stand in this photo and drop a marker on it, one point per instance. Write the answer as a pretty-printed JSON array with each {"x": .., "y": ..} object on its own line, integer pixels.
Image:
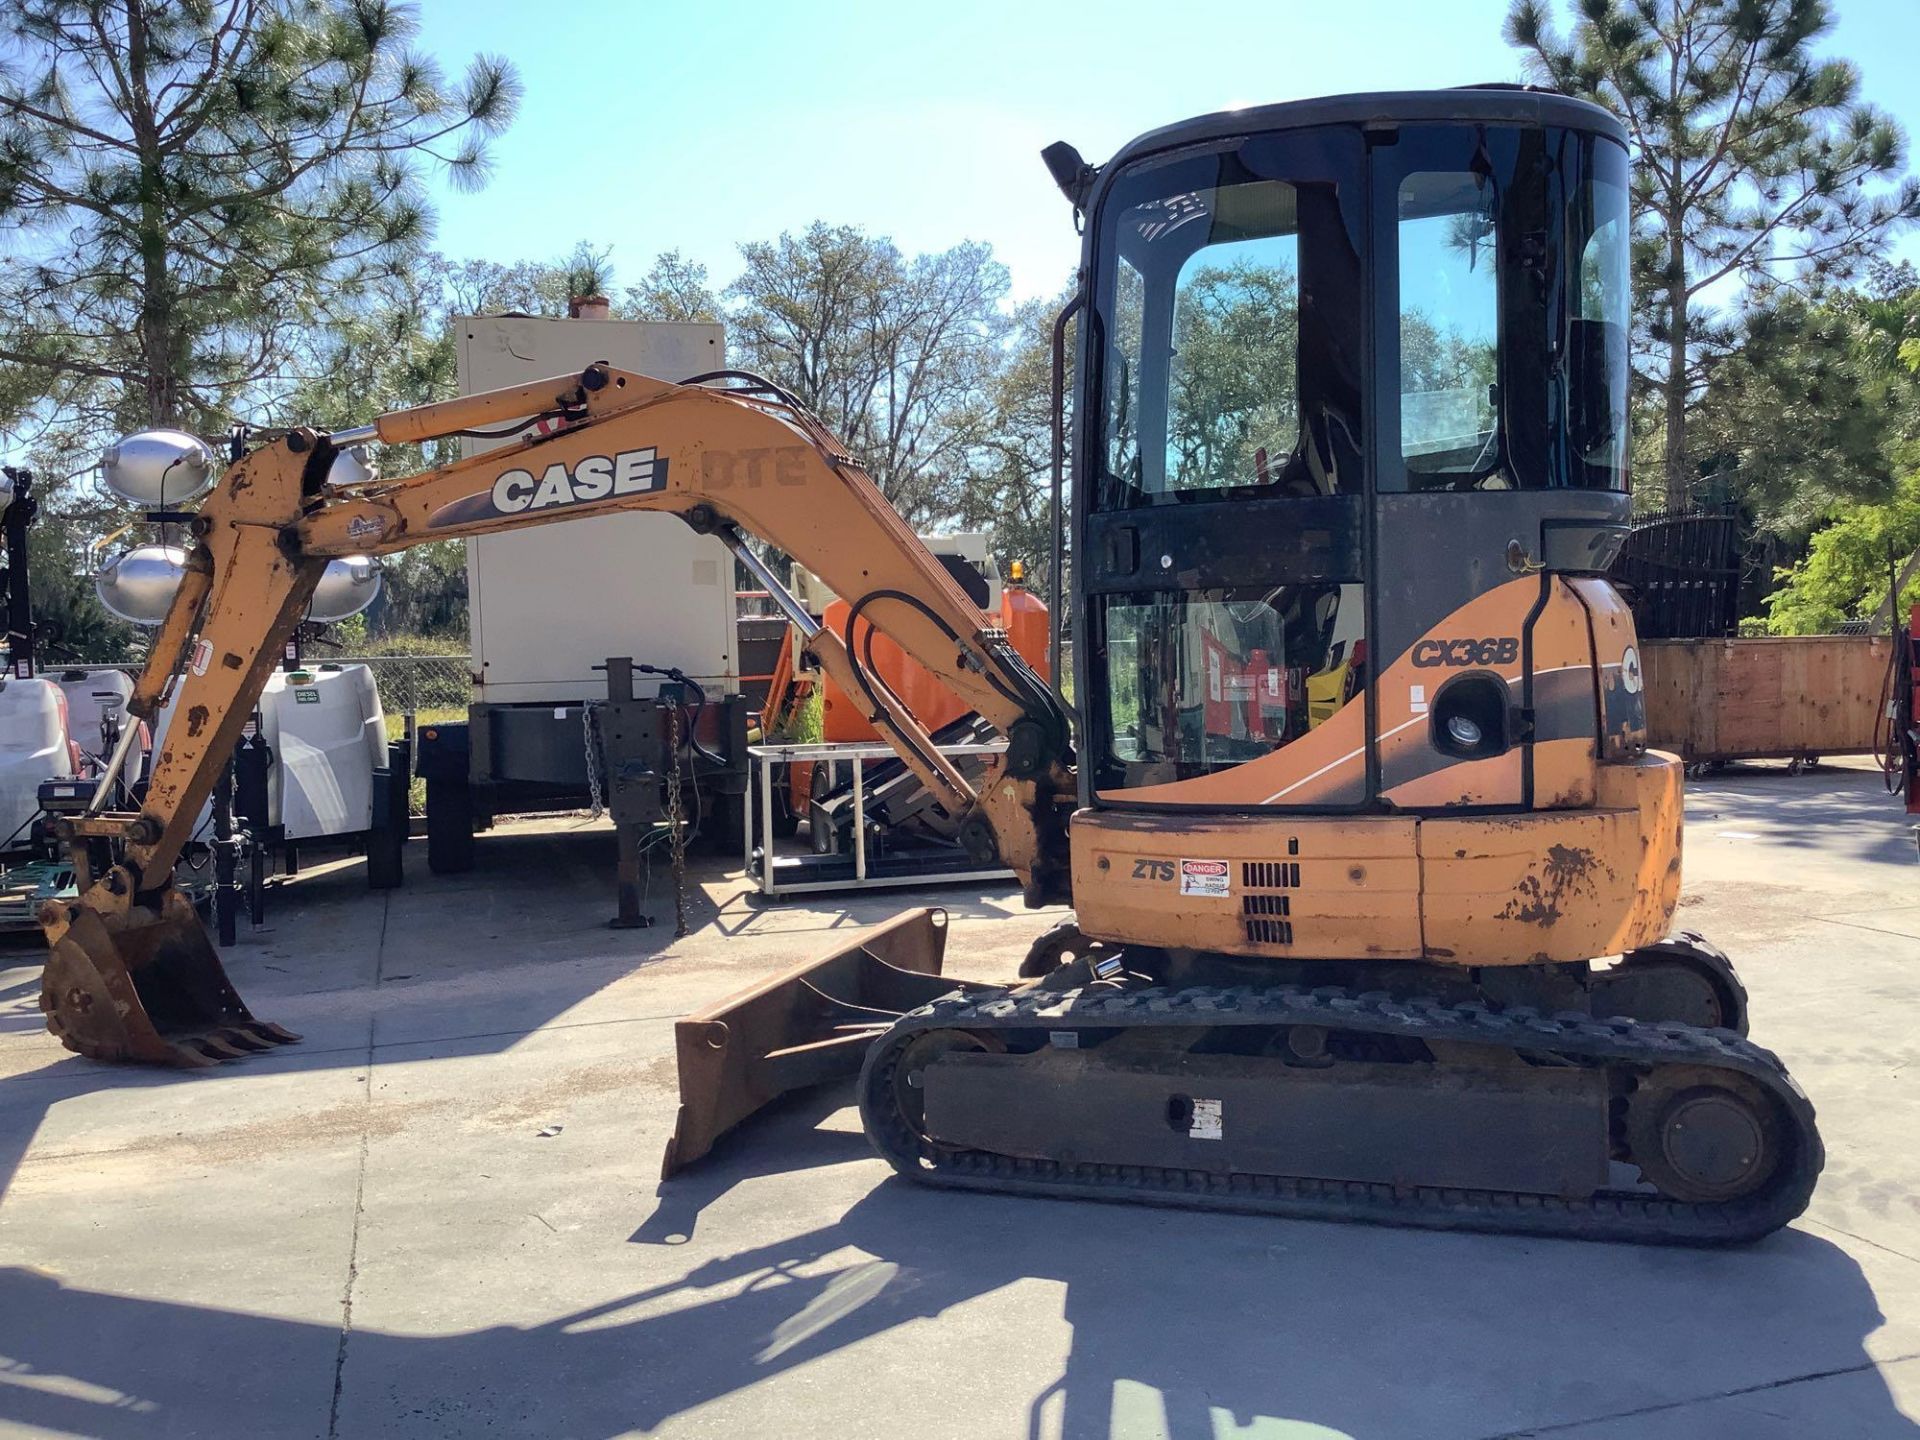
[{"x": 627, "y": 885}]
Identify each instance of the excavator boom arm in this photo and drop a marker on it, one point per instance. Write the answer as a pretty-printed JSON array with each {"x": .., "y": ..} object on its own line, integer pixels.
[{"x": 732, "y": 462}]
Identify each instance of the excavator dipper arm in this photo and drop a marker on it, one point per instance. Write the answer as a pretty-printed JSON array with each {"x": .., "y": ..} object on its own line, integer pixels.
[{"x": 132, "y": 974}]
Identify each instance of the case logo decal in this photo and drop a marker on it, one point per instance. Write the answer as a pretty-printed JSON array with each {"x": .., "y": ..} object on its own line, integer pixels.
[{"x": 594, "y": 477}]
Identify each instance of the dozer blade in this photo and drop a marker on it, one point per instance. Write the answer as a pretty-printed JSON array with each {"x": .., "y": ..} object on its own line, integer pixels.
[
  {"x": 146, "y": 986},
  {"x": 807, "y": 1025}
]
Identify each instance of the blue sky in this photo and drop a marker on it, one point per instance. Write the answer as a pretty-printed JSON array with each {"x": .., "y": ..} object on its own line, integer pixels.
[{"x": 652, "y": 126}]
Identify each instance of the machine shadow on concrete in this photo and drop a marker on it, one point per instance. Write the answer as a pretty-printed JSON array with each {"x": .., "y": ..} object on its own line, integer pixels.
[
  {"x": 355, "y": 979},
  {"x": 539, "y": 902},
  {"x": 1352, "y": 1329},
  {"x": 1334, "y": 1330}
]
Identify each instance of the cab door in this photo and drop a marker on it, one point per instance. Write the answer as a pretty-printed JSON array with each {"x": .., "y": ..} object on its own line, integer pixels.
[
  {"x": 1222, "y": 480},
  {"x": 1499, "y": 436}
]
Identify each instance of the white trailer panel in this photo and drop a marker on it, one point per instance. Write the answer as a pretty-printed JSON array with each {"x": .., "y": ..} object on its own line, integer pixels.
[{"x": 549, "y": 603}]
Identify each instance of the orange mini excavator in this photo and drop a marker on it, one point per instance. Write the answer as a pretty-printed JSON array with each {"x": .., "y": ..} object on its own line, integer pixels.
[{"x": 1350, "y": 425}]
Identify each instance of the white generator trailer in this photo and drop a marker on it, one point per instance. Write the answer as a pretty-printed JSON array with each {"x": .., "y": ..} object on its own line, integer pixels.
[{"x": 552, "y": 605}]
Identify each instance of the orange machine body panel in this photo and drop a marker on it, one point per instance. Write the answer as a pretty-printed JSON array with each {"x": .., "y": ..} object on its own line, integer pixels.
[
  {"x": 1534, "y": 887},
  {"x": 1591, "y": 869},
  {"x": 1327, "y": 765}
]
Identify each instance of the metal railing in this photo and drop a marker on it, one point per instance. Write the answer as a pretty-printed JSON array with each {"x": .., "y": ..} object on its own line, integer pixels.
[{"x": 1681, "y": 572}]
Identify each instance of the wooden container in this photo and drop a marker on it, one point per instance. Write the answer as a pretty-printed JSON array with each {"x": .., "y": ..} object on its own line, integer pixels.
[{"x": 1790, "y": 698}]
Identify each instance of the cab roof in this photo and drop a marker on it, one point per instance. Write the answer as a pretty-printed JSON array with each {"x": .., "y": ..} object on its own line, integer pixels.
[{"x": 1473, "y": 104}]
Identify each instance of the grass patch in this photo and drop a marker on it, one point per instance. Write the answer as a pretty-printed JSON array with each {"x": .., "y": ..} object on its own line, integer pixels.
[{"x": 808, "y": 724}]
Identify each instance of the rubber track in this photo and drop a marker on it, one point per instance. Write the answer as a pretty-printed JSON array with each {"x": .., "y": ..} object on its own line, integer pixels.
[
  {"x": 1691, "y": 947},
  {"x": 1637, "y": 1216}
]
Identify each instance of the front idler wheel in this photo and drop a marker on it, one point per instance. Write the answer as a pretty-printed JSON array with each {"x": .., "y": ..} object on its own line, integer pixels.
[
  {"x": 909, "y": 1075},
  {"x": 1704, "y": 1137}
]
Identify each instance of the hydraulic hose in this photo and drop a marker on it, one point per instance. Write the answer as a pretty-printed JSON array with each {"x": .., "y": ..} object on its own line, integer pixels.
[{"x": 680, "y": 677}]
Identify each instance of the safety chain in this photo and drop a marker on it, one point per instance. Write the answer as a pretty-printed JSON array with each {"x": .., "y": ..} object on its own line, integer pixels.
[
  {"x": 589, "y": 729},
  {"x": 676, "y": 822}
]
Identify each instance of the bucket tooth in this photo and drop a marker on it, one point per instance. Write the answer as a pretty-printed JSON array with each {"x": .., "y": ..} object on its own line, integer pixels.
[
  {"x": 807, "y": 1025},
  {"x": 144, "y": 984},
  {"x": 218, "y": 1047},
  {"x": 242, "y": 1039}
]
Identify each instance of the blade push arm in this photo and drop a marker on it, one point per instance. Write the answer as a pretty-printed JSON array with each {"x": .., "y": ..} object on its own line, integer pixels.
[{"x": 729, "y": 462}]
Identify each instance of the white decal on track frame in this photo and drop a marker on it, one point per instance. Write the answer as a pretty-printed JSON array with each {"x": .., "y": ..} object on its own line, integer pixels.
[{"x": 1208, "y": 1122}]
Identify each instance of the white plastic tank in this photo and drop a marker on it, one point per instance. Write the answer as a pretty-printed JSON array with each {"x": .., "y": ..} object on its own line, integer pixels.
[
  {"x": 325, "y": 750},
  {"x": 33, "y": 747},
  {"x": 91, "y": 694},
  {"x": 328, "y": 735}
]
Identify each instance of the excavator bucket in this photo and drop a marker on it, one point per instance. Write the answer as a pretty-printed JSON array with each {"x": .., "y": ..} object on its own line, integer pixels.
[
  {"x": 807, "y": 1025},
  {"x": 146, "y": 986}
]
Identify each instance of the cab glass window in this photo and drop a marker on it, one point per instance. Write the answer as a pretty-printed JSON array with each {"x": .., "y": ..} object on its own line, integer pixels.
[
  {"x": 1507, "y": 300},
  {"x": 1598, "y": 341},
  {"x": 1202, "y": 680},
  {"x": 1233, "y": 370},
  {"x": 1216, "y": 383},
  {"x": 1449, "y": 328},
  {"x": 1125, "y": 318}
]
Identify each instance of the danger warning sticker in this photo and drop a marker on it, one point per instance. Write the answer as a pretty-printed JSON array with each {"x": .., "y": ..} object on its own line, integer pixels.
[{"x": 1204, "y": 877}]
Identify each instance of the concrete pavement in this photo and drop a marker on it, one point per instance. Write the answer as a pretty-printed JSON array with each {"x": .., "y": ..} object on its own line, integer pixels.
[{"x": 368, "y": 1234}]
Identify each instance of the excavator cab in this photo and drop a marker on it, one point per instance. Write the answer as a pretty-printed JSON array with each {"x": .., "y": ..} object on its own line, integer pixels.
[
  {"x": 1351, "y": 463},
  {"x": 1345, "y": 370},
  {"x": 1372, "y": 869}
]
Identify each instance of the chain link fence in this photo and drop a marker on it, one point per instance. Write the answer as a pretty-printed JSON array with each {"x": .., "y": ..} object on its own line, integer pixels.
[
  {"x": 433, "y": 686},
  {"x": 437, "y": 686}
]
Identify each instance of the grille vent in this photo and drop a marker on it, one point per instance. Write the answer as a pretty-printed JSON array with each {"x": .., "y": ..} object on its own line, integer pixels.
[
  {"x": 1270, "y": 874},
  {"x": 1266, "y": 918}
]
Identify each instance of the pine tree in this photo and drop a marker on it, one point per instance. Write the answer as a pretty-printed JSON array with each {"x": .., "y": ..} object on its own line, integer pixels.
[
  {"x": 1754, "y": 160},
  {"x": 192, "y": 183}
]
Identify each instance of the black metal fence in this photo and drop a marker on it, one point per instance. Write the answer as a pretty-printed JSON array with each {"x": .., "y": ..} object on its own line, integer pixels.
[{"x": 1681, "y": 573}]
